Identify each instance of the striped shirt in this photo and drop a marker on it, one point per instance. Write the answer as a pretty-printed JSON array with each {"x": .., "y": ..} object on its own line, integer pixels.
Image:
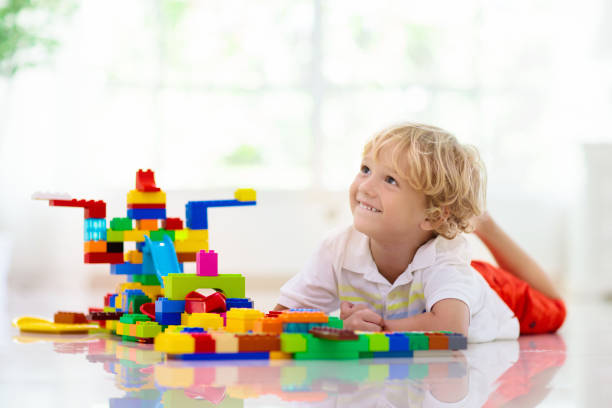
[{"x": 342, "y": 269}]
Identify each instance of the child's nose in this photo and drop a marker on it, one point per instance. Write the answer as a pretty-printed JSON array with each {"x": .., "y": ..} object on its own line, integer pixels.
[{"x": 368, "y": 187}]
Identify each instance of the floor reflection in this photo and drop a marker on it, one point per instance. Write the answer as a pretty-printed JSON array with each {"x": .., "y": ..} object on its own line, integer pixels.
[{"x": 490, "y": 374}]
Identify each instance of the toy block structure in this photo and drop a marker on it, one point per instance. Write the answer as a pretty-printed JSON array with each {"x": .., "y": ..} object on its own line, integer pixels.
[{"x": 162, "y": 305}]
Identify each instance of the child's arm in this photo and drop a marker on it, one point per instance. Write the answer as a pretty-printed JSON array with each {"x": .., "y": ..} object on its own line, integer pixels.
[
  {"x": 447, "y": 314},
  {"x": 280, "y": 308}
]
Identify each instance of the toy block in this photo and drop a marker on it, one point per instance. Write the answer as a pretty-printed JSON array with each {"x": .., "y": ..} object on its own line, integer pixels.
[
  {"x": 159, "y": 235},
  {"x": 70, "y": 318},
  {"x": 279, "y": 355},
  {"x": 147, "y": 280},
  {"x": 145, "y": 181},
  {"x": 332, "y": 350},
  {"x": 241, "y": 303},
  {"x": 175, "y": 343},
  {"x": 186, "y": 257},
  {"x": 418, "y": 341},
  {"x": 197, "y": 235},
  {"x": 190, "y": 246},
  {"x": 142, "y": 197},
  {"x": 114, "y": 247},
  {"x": 95, "y": 209},
  {"x": 164, "y": 305},
  {"x": 306, "y": 316},
  {"x": 245, "y": 194},
  {"x": 133, "y": 257},
  {"x": 126, "y": 268},
  {"x": 146, "y": 206},
  {"x": 146, "y": 213},
  {"x": 258, "y": 342},
  {"x": 94, "y": 229},
  {"x": 268, "y": 325},
  {"x": 335, "y": 322},
  {"x": 204, "y": 343},
  {"x": 225, "y": 342},
  {"x": 148, "y": 309},
  {"x": 121, "y": 224},
  {"x": 148, "y": 329},
  {"x": 135, "y": 302},
  {"x": 196, "y": 215},
  {"x": 147, "y": 225},
  {"x": 293, "y": 342},
  {"x": 180, "y": 235},
  {"x": 94, "y": 246},
  {"x": 134, "y": 236},
  {"x": 457, "y": 341},
  {"x": 128, "y": 295},
  {"x": 207, "y": 263},
  {"x": 207, "y": 321},
  {"x": 103, "y": 257},
  {"x": 398, "y": 342},
  {"x": 178, "y": 285},
  {"x": 114, "y": 236},
  {"x": 377, "y": 342},
  {"x": 437, "y": 341},
  {"x": 172, "y": 224},
  {"x": 223, "y": 356},
  {"x": 330, "y": 333},
  {"x": 168, "y": 318},
  {"x": 197, "y": 303},
  {"x": 133, "y": 318}
]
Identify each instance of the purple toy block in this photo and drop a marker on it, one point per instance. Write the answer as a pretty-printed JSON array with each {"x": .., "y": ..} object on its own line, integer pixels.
[{"x": 207, "y": 263}]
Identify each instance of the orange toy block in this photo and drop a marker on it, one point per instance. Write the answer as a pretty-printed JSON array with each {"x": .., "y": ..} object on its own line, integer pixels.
[
  {"x": 186, "y": 256},
  {"x": 94, "y": 246},
  {"x": 147, "y": 225},
  {"x": 268, "y": 325},
  {"x": 258, "y": 342}
]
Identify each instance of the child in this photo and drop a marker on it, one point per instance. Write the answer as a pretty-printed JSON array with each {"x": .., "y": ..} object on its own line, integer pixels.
[{"x": 404, "y": 265}]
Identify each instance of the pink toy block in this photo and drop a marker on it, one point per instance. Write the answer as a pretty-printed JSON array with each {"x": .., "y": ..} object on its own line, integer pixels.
[{"x": 207, "y": 263}]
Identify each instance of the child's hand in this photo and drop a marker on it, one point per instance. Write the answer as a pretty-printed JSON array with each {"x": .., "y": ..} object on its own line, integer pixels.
[
  {"x": 359, "y": 317},
  {"x": 480, "y": 221}
]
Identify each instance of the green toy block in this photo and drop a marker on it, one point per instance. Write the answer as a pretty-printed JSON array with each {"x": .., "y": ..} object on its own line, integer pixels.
[
  {"x": 133, "y": 318},
  {"x": 418, "y": 341},
  {"x": 114, "y": 236},
  {"x": 121, "y": 224},
  {"x": 148, "y": 329},
  {"x": 323, "y": 349},
  {"x": 136, "y": 302},
  {"x": 180, "y": 235},
  {"x": 109, "y": 309},
  {"x": 148, "y": 280},
  {"x": 129, "y": 338},
  {"x": 159, "y": 235},
  {"x": 378, "y": 342},
  {"x": 178, "y": 285},
  {"x": 293, "y": 342},
  {"x": 335, "y": 322},
  {"x": 418, "y": 371}
]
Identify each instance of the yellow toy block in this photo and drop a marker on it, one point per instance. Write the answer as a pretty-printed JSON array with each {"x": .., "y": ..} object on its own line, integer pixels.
[
  {"x": 119, "y": 328},
  {"x": 245, "y": 194},
  {"x": 207, "y": 321},
  {"x": 174, "y": 377},
  {"x": 180, "y": 235},
  {"x": 134, "y": 235},
  {"x": 112, "y": 324},
  {"x": 141, "y": 197},
  {"x": 279, "y": 355},
  {"x": 225, "y": 342},
  {"x": 190, "y": 246},
  {"x": 175, "y": 343},
  {"x": 241, "y": 320},
  {"x": 196, "y": 235},
  {"x": 152, "y": 291},
  {"x": 133, "y": 257}
]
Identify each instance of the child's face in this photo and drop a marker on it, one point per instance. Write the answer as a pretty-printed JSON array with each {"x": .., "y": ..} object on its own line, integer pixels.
[{"x": 384, "y": 205}]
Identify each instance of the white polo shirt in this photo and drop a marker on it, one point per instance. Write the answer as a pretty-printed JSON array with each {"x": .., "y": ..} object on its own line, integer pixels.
[{"x": 342, "y": 269}]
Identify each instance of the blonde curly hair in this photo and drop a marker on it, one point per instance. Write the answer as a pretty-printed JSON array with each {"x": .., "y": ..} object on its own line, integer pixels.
[{"x": 451, "y": 175}]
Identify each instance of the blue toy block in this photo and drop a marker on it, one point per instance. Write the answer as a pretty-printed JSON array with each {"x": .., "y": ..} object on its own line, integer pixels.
[
  {"x": 392, "y": 354},
  {"x": 168, "y": 318},
  {"x": 196, "y": 215},
  {"x": 111, "y": 300},
  {"x": 242, "y": 303},
  {"x": 164, "y": 305},
  {"x": 223, "y": 356},
  {"x": 193, "y": 330},
  {"x": 398, "y": 342},
  {"x": 140, "y": 246},
  {"x": 146, "y": 213},
  {"x": 126, "y": 269},
  {"x": 95, "y": 229}
]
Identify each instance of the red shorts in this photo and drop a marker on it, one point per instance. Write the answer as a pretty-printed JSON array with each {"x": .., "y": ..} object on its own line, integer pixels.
[{"x": 536, "y": 312}]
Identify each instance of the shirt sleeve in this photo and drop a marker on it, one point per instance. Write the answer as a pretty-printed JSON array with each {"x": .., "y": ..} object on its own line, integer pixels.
[
  {"x": 451, "y": 282},
  {"x": 315, "y": 286}
]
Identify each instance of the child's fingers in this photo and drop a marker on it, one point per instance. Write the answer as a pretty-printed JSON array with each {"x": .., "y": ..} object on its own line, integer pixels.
[
  {"x": 346, "y": 310},
  {"x": 370, "y": 316}
]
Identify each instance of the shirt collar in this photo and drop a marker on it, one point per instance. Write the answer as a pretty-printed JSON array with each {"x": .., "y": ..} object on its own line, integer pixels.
[{"x": 358, "y": 259}]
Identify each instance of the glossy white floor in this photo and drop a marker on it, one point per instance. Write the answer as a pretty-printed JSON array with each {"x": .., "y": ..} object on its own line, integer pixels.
[{"x": 572, "y": 368}]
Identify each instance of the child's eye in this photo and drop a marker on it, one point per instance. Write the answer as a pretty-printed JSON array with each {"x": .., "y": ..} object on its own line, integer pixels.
[
  {"x": 390, "y": 180},
  {"x": 365, "y": 169}
]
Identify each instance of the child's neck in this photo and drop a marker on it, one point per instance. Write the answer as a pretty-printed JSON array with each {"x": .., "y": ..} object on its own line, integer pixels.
[{"x": 393, "y": 257}]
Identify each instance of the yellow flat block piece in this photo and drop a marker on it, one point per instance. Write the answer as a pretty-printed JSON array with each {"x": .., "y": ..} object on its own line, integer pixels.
[
  {"x": 134, "y": 236},
  {"x": 174, "y": 343},
  {"x": 279, "y": 355},
  {"x": 225, "y": 342},
  {"x": 147, "y": 225},
  {"x": 133, "y": 257},
  {"x": 190, "y": 246},
  {"x": 207, "y": 321},
  {"x": 141, "y": 197},
  {"x": 38, "y": 325},
  {"x": 94, "y": 246},
  {"x": 245, "y": 194},
  {"x": 196, "y": 235},
  {"x": 174, "y": 377}
]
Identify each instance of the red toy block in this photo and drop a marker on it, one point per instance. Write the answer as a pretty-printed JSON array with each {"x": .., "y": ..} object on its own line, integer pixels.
[
  {"x": 258, "y": 342},
  {"x": 146, "y": 206},
  {"x": 172, "y": 224},
  {"x": 145, "y": 181},
  {"x": 204, "y": 343},
  {"x": 95, "y": 209},
  {"x": 207, "y": 263},
  {"x": 186, "y": 256},
  {"x": 104, "y": 257},
  {"x": 195, "y": 302}
]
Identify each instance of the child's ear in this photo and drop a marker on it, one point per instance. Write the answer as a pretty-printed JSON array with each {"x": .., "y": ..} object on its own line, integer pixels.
[{"x": 427, "y": 225}]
